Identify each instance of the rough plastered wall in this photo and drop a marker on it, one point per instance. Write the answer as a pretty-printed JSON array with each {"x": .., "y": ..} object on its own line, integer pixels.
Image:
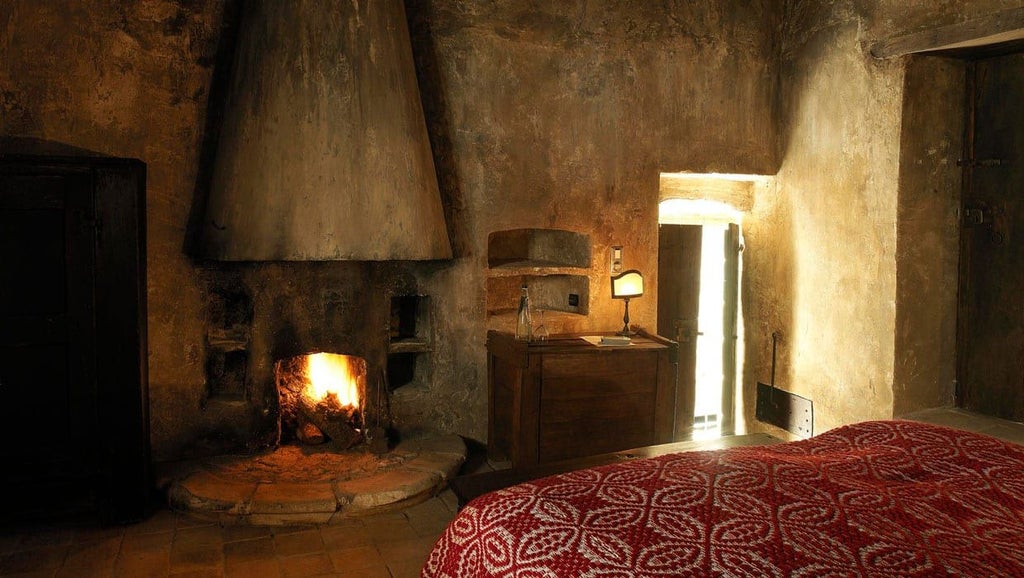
[
  {"x": 541, "y": 115},
  {"x": 562, "y": 115},
  {"x": 822, "y": 262},
  {"x": 128, "y": 79}
]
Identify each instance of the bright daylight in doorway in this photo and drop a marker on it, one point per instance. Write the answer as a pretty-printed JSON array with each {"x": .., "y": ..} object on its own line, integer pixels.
[{"x": 714, "y": 218}]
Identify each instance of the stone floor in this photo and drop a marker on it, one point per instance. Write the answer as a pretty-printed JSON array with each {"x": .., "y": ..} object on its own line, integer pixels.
[
  {"x": 1010, "y": 431},
  {"x": 389, "y": 545},
  {"x": 170, "y": 544}
]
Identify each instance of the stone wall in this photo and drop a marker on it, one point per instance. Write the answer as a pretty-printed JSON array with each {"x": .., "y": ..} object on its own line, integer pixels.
[
  {"x": 541, "y": 115},
  {"x": 562, "y": 115},
  {"x": 823, "y": 259},
  {"x": 129, "y": 79}
]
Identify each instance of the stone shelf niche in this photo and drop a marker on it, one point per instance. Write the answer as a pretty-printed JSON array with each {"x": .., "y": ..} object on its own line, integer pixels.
[
  {"x": 538, "y": 248},
  {"x": 566, "y": 293},
  {"x": 536, "y": 258}
]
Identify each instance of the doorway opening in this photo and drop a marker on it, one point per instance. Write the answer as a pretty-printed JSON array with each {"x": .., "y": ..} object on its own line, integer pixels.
[
  {"x": 698, "y": 283},
  {"x": 990, "y": 337}
]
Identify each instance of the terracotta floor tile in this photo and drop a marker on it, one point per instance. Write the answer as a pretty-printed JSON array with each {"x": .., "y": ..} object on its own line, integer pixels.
[
  {"x": 185, "y": 521},
  {"x": 95, "y": 558},
  {"x": 306, "y": 565},
  {"x": 249, "y": 550},
  {"x": 209, "y": 535},
  {"x": 160, "y": 521},
  {"x": 405, "y": 569},
  {"x": 144, "y": 564},
  {"x": 406, "y": 551},
  {"x": 284, "y": 530},
  {"x": 158, "y": 541},
  {"x": 195, "y": 557},
  {"x": 375, "y": 572},
  {"x": 304, "y": 542},
  {"x": 357, "y": 558},
  {"x": 244, "y": 532},
  {"x": 270, "y": 568},
  {"x": 217, "y": 572},
  {"x": 170, "y": 544},
  {"x": 97, "y": 534},
  {"x": 197, "y": 548},
  {"x": 46, "y": 537},
  {"x": 429, "y": 518},
  {"x": 37, "y": 559},
  {"x": 450, "y": 500},
  {"x": 389, "y": 528},
  {"x": 345, "y": 536}
]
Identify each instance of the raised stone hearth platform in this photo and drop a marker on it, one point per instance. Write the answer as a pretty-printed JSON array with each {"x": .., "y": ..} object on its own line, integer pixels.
[{"x": 295, "y": 485}]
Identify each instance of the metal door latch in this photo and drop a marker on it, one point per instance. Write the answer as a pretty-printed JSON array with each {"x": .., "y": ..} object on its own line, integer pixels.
[{"x": 974, "y": 216}]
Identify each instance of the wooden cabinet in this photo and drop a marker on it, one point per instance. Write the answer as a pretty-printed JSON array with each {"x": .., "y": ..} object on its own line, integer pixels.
[
  {"x": 73, "y": 338},
  {"x": 564, "y": 397}
]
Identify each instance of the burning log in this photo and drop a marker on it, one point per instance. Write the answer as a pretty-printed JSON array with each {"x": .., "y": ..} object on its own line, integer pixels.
[
  {"x": 309, "y": 434},
  {"x": 319, "y": 399},
  {"x": 333, "y": 419}
]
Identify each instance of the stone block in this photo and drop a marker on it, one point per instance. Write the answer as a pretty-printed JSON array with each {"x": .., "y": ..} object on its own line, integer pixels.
[
  {"x": 294, "y": 498},
  {"x": 441, "y": 464},
  {"x": 206, "y": 492},
  {"x": 387, "y": 488}
]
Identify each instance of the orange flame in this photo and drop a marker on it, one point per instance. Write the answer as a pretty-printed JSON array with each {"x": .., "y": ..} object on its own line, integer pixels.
[{"x": 332, "y": 374}]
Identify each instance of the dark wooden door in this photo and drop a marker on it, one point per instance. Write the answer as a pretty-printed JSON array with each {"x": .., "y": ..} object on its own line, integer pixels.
[
  {"x": 679, "y": 256},
  {"x": 47, "y": 357},
  {"x": 991, "y": 318}
]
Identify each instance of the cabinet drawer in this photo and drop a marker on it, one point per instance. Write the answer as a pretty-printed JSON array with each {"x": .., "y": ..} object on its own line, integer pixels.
[{"x": 596, "y": 403}]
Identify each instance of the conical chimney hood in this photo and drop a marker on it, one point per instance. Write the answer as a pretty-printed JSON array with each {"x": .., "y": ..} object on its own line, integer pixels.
[{"x": 323, "y": 153}]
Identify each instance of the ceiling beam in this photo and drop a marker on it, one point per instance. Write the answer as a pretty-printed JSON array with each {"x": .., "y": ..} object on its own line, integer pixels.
[{"x": 995, "y": 28}]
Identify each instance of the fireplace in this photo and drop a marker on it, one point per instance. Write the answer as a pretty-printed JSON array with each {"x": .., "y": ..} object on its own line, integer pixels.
[
  {"x": 305, "y": 428},
  {"x": 321, "y": 398},
  {"x": 313, "y": 230}
]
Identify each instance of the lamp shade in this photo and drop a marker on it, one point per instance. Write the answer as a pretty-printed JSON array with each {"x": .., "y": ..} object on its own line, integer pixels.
[{"x": 627, "y": 285}]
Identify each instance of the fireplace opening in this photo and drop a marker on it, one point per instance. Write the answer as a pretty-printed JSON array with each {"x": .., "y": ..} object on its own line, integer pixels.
[{"x": 321, "y": 399}]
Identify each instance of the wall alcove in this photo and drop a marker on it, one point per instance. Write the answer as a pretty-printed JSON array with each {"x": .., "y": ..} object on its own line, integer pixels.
[{"x": 543, "y": 260}]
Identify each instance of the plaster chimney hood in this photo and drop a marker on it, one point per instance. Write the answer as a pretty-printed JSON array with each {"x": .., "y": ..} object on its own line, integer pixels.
[{"x": 323, "y": 153}]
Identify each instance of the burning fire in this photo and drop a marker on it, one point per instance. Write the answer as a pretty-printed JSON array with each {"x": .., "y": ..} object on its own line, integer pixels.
[{"x": 332, "y": 375}]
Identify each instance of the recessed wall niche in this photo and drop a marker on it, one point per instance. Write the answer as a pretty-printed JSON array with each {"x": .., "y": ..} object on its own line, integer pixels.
[
  {"x": 228, "y": 338},
  {"x": 538, "y": 259},
  {"x": 409, "y": 339}
]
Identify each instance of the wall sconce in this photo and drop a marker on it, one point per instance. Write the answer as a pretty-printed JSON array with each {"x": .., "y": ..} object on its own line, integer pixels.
[{"x": 627, "y": 285}]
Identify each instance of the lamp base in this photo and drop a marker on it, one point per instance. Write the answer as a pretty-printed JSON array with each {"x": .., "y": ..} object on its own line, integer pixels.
[{"x": 625, "y": 322}]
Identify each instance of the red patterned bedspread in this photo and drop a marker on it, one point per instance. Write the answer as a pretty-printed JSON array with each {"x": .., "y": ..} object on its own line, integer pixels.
[{"x": 886, "y": 498}]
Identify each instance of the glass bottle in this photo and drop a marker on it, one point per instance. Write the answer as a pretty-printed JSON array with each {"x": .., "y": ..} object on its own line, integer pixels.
[
  {"x": 524, "y": 320},
  {"x": 541, "y": 332}
]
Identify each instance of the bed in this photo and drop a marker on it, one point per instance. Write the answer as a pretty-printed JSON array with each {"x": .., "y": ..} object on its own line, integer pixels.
[{"x": 880, "y": 498}]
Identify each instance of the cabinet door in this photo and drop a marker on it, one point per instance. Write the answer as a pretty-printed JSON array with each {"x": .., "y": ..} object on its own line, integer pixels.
[
  {"x": 593, "y": 403},
  {"x": 47, "y": 384}
]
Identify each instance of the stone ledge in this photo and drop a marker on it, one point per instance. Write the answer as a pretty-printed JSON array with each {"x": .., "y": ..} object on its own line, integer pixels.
[
  {"x": 378, "y": 492},
  {"x": 415, "y": 471},
  {"x": 293, "y": 498},
  {"x": 207, "y": 492}
]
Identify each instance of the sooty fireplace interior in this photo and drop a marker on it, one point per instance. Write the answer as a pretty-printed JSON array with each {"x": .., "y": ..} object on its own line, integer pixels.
[{"x": 265, "y": 386}]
